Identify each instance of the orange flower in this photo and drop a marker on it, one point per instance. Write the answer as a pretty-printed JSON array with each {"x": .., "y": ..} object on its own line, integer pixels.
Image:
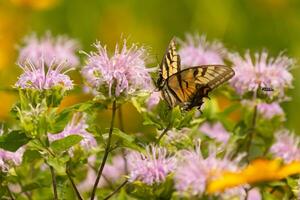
[{"x": 258, "y": 171}]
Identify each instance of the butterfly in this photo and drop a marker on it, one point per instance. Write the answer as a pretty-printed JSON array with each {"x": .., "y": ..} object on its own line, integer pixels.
[{"x": 189, "y": 86}]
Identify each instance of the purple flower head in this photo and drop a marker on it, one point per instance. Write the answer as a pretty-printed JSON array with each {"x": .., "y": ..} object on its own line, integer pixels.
[
  {"x": 254, "y": 194},
  {"x": 123, "y": 73},
  {"x": 9, "y": 159},
  {"x": 150, "y": 167},
  {"x": 270, "y": 110},
  {"x": 153, "y": 100},
  {"x": 194, "y": 171},
  {"x": 263, "y": 71},
  {"x": 50, "y": 49},
  {"x": 77, "y": 126},
  {"x": 196, "y": 50},
  {"x": 215, "y": 131},
  {"x": 38, "y": 77},
  {"x": 286, "y": 146}
]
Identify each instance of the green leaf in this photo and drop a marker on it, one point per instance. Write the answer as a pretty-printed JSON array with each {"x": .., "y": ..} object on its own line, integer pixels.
[
  {"x": 127, "y": 140},
  {"x": 65, "y": 143},
  {"x": 59, "y": 164},
  {"x": 13, "y": 140}
]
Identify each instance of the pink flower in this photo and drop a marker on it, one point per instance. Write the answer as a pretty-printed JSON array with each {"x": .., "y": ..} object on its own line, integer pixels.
[
  {"x": 50, "y": 49},
  {"x": 194, "y": 170},
  {"x": 9, "y": 159},
  {"x": 270, "y": 110},
  {"x": 215, "y": 131},
  {"x": 262, "y": 71},
  {"x": 198, "y": 51},
  {"x": 77, "y": 126},
  {"x": 286, "y": 146},
  {"x": 39, "y": 78},
  {"x": 153, "y": 100},
  {"x": 254, "y": 194},
  {"x": 150, "y": 167},
  {"x": 123, "y": 73}
]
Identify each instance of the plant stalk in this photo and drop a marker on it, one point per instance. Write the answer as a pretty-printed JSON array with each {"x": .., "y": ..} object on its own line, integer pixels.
[
  {"x": 73, "y": 185},
  {"x": 54, "y": 184},
  {"x": 163, "y": 133},
  {"x": 116, "y": 190},
  {"x": 107, "y": 150}
]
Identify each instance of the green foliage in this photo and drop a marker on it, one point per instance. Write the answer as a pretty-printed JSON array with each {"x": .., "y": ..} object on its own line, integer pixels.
[
  {"x": 65, "y": 143},
  {"x": 14, "y": 140}
]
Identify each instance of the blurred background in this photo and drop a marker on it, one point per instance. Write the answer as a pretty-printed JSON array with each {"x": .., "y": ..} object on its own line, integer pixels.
[{"x": 250, "y": 24}]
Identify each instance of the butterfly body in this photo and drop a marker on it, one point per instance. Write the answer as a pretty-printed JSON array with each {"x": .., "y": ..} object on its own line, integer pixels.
[{"x": 189, "y": 86}]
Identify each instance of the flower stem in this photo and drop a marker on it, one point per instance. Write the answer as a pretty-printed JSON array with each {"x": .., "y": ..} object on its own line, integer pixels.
[
  {"x": 54, "y": 184},
  {"x": 116, "y": 190},
  {"x": 121, "y": 124},
  {"x": 107, "y": 150},
  {"x": 163, "y": 133},
  {"x": 10, "y": 193},
  {"x": 73, "y": 185},
  {"x": 252, "y": 132}
]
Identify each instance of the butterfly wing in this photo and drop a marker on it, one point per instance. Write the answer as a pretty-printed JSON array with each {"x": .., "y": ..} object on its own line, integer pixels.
[
  {"x": 170, "y": 64},
  {"x": 189, "y": 86}
]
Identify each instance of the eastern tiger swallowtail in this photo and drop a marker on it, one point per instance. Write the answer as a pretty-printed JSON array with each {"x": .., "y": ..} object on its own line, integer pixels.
[{"x": 189, "y": 86}]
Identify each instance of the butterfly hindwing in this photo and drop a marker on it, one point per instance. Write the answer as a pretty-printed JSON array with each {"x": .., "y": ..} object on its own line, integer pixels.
[{"x": 190, "y": 85}]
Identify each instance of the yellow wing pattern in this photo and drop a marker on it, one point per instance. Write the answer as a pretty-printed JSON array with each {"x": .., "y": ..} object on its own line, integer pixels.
[
  {"x": 171, "y": 61},
  {"x": 189, "y": 86}
]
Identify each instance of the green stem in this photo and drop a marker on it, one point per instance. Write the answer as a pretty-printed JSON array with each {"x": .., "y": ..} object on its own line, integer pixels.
[
  {"x": 252, "y": 129},
  {"x": 73, "y": 185},
  {"x": 121, "y": 123},
  {"x": 116, "y": 190},
  {"x": 10, "y": 193},
  {"x": 107, "y": 150},
  {"x": 163, "y": 133},
  {"x": 54, "y": 184}
]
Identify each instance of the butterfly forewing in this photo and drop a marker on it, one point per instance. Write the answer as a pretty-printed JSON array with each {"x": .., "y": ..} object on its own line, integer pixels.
[{"x": 171, "y": 61}]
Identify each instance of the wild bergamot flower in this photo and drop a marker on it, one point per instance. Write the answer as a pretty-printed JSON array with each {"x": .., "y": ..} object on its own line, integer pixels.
[
  {"x": 262, "y": 71},
  {"x": 121, "y": 74},
  {"x": 40, "y": 77},
  {"x": 150, "y": 167},
  {"x": 286, "y": 146},
  {"x": 196, "y": 50},
  {"x": 194, "y": 171},
  {"x": 77, "y": 126},
  {"x": 53, "y": 50},
  {"x": 9, "y": 159}
]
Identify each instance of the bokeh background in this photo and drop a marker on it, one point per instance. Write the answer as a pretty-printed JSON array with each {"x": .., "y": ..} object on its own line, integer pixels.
[{"x": 249, "y": 24}]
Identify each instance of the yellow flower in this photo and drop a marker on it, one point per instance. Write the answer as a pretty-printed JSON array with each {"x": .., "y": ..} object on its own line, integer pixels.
[{"x": 258, "y": 171}]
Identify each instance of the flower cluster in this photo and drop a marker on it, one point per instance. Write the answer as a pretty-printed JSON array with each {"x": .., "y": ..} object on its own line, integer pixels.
[
  {"x": 286, "y": 146},
  {"x": 266, "y": 110},
  {"x": 196, "y": 50},
  {"x": 194, "y": 171},
  {"x": 151, "y": 167},
  {"x": 261, "y": 72},
  {"x": 38, "y": 77},
  {"x": 50, "y": 49},
  {"x": 122, "y": 73},
  {"x": 9, "y": 159},
  {"x": 215, "y": 131},
  {"x": 77, "y": 126}
]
